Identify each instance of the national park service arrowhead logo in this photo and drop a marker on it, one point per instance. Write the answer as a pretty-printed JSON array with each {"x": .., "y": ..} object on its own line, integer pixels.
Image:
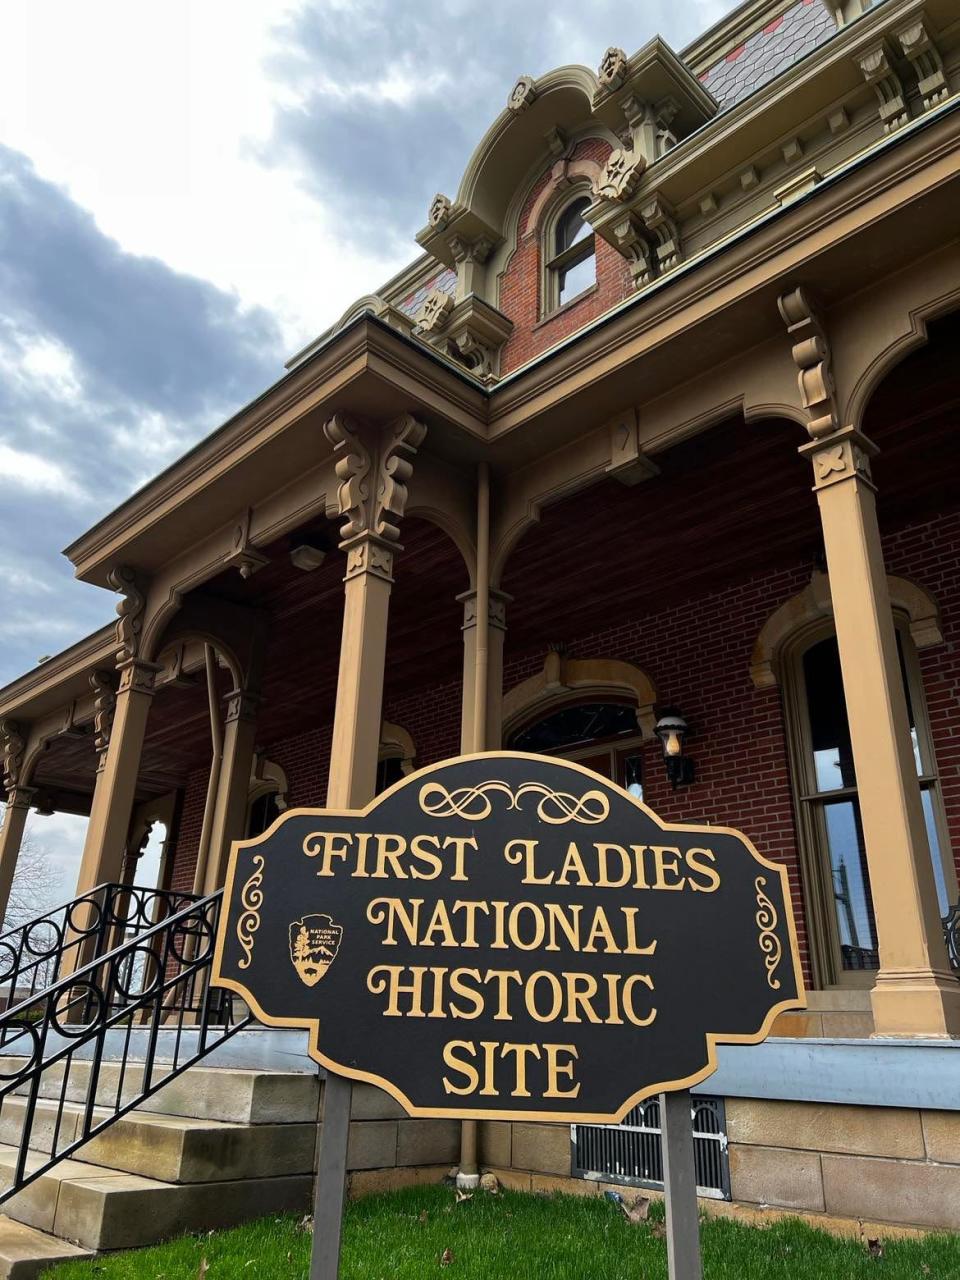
[{"x": 314, "y": 943}]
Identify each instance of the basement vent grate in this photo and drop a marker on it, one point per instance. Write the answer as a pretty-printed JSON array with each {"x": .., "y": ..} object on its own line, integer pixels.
[{"x": 630, "y": 1153}]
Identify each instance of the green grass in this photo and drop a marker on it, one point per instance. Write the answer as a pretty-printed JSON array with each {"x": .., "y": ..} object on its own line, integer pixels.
[{"x": 513, "y": 1236}]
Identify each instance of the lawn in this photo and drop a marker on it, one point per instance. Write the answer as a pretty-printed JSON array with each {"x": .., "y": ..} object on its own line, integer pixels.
[{"x": 424, "y": 1231}]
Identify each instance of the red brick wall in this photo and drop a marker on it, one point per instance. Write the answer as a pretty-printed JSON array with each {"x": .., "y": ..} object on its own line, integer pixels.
[
  {"x": 520, "y": 283},
  {"x": 929, "y": 555},
  {"x": 698, "y": 656}
]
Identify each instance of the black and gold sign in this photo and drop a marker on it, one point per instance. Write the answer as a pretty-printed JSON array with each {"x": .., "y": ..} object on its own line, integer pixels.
[{"x": 509, "y": 935}]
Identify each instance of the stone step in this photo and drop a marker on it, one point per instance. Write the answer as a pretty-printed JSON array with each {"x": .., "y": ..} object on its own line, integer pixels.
[
  {"x": 170, "y": 1148},
  {"x": 99, "y": 1208},
  {"x": 25, "y": 1252},
  {"x": 229, "y": 1094}
]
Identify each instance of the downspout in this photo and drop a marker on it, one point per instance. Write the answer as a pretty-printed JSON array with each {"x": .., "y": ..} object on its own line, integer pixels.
[
  {"x": 468, "y": 1175},
  {"x": 213, "y": 785}
]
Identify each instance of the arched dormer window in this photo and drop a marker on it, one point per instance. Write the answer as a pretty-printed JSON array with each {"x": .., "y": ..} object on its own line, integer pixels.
[{"x": 570, "y": 253}]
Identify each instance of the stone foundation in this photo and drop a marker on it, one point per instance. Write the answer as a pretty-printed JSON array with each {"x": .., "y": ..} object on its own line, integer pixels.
[{"x": 835, "y": 1165}]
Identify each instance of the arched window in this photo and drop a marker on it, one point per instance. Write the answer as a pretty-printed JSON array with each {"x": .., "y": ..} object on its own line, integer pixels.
[
  {"x": 830, "y": 829},
  {"x": 602, "y": 736},
  {"x": 571, "y": 264}
]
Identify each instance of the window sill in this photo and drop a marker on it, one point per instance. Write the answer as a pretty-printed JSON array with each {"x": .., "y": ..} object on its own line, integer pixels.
[{"x": 567, "y": 306}]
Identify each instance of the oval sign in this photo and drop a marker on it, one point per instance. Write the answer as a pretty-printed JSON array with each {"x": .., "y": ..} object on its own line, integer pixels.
[{"x": 507, "y": 936}]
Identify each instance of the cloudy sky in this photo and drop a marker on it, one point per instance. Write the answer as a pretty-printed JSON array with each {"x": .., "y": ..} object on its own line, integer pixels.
[{"x": 190, "y": 190}]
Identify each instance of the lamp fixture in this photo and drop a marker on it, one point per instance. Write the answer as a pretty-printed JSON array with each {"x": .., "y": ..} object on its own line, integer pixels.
[{"x": 672, "y": 729}]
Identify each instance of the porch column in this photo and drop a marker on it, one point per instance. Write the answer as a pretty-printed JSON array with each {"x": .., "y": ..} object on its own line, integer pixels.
[
  {"x": 373, "y": 470},
  {"x": 236, "y": 764},
  {"x": 119, "y": 764},
  {"x": 19, "y": 798},
  {"x": 496, "y": 630},
  {"x": 915, "y": 992}
]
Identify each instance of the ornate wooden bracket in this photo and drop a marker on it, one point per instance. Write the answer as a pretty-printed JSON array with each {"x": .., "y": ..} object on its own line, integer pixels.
[
  {"x": 811, "y": 355},
  {"x": 12, "y": 746},
  {"x": 372, "y": 494},
  {"x": 878, "y": 71},
  {"x": 244, "y": 556},
  {"x": 103, "y": 684},
  {"x": 917, "y": 44}
]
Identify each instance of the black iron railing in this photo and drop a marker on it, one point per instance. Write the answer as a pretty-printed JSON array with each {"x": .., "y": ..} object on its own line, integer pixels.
[
  {"x": 951, "y": 934},
  {"x": 102, "y": 1039},
  {"x": 33, "y": 955}
]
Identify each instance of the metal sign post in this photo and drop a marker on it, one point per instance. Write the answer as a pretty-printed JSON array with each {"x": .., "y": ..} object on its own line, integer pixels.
[
  {"x": 331, "y": 1187},
  {"x": 680, "y": 1187}
]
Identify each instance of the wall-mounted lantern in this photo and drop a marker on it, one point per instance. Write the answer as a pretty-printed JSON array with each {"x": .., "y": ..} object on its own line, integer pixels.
[{"x": 671, "y": 729}]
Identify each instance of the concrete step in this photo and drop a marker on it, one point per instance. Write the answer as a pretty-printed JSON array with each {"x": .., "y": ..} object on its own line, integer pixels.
[
  {"x": 229, "y": 1094},
  {"x": 99, "y": 1208},
  {"x": 25, "y": 1252},
  {"x": 171, "y": 1148}
]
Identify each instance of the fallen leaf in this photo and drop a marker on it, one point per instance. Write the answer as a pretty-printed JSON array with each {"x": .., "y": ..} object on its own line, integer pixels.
[
  {"x": 463, "y": 1195},
  {"x": 446, "y": 1257},
  {"x": 639, "y": 1211},
  {"x": 490, "y": 1182},
  {"x": 423, "y": 1216},
  {"x": 658, "y": 1230},
  {"x": 306, "y": 1224}
]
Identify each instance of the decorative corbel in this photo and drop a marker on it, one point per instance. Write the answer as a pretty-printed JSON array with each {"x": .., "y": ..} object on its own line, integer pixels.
[
  {"x": 403, "y": 439},
  {"x": 621, "y": 175},
  {"x": 659, "y": 219},
  {"x": 439, "y": 212},
  {"x": 12, "y": 746},
  {"x": 244, "y": 556},
  {"x": 373, "y": 508},
  {"x": 353, "y": 466},
  {"x": 877, "y": 71},
  {"x": 811, "y": 355},
  {"x": 631, "y": 242},
  {"x": 613, "y": 69},
  {"x": 522, "y": 95},
  {"x": 628, "y": 463},
  {"x": 130, "y": 611},
  {"x": 103, "y": 684},
  {"x": 433, "y": 313},
  {"x": 917, "y": 44}
]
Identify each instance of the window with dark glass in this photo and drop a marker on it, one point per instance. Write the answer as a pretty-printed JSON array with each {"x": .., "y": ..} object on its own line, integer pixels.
[
  {"x": 595, "y": 734},
  {"x": 829, "y": 792},
  {"x": 389, "y": 771},
  {"x": 572, "y": 267},
  {"x": 263, "y": 812}
]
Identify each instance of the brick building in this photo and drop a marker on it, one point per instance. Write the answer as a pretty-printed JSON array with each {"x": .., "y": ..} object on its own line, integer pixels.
[{"x": 661, "y": 419}]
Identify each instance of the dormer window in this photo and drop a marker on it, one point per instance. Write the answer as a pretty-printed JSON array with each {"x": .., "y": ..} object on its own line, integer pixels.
[{"x": 572, "y": 266}]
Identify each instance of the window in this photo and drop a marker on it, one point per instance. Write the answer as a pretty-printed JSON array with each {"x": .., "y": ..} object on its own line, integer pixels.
[
  {"x": 829, "y": 810},
  {"x": 602, "y": 736},
  {"x": 263, "y": 812},
  {"x": 571, "y": 256}
]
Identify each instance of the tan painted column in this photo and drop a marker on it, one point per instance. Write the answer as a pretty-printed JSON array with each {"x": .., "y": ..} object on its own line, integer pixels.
[
  {"x": 373, "y": 469},
  {"x": 230, "y": 806},
  {"x": 113, "y": 795},
  {"x": 496, "y": 623},
  {"x": 19, "y": 800},
  {"x": 915, "y": 991}
]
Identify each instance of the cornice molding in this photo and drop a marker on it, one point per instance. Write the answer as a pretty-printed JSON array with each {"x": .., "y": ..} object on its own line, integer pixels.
[
  {"x": 95, "y": 650},
  {"x": 770, "y": 244}
]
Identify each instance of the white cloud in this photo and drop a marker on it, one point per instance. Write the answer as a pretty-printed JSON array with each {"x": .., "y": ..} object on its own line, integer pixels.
[{"x": 35, "y": 474}]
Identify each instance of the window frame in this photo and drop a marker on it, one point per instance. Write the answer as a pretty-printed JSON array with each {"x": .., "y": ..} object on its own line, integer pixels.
[
  {"x": 810, "y": 803},
  {"x": 554, "y": 263}
]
